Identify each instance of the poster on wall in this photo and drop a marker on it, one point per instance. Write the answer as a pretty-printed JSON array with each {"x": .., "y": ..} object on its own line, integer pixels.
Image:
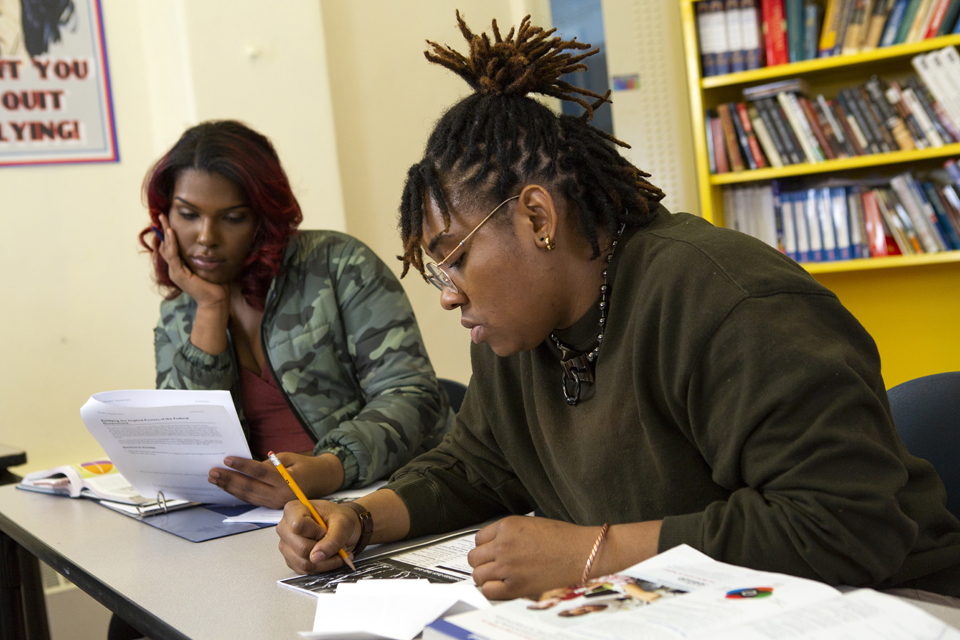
[{"x": 55, "y": 104}]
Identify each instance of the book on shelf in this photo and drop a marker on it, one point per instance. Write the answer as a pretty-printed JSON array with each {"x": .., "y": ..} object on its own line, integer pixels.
[
  {"x": 774, "y": 18},
  {"x": 892, "y": 25},
  {"x": 753, "y": 143},
  {"x": 875, "y": 24},
  {"x": 750, "y": 30},
  {"x": 734, "y": 23},
  {"x": 856, "y": 28},
  {"x": 712, "y": 32},
  {"x": 835, "y": 220},
  {"x": 794, "y": 15},
  {"x": 906, "y": 22},
  {"x": 812, "y": 21},
  {"x": 683, "y": 593},
  {"x": 730, "y": 139},
  {"x": 949, "y": 19}
]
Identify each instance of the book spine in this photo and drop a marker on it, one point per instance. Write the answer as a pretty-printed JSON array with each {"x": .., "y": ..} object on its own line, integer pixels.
[
  {"x": 831, "y": 22},
  {"x": 855, "y": 29},
  {"x": 827, "y": 231},
  {"x": 765, "y": 138},
  {"x": 750, "y": 30},
  {"x": 853, "y": 134},
  {"x": 949, "y": 18},
  {"x": 943, "y": 220},
  {"x": 812, "y": 17},
  {"x": 858, "y": 230},
  {"x": 923, "y": 118},
  {"x": 795, "y": 29},
  {"x": 931, "y": 105},
  {"x": 794, "y": 115},
  {"x": 841, "y": 223},
  {"x": 730, "y": 138},
  {"x": 708, "y": 56},
  {"x": 881, "y": 11},
  {"x": 826, "y": 126},
  {"x": 785, "y": 130},
  {"x": 857, "y": 123},
  {"x": 894, "y": 224},
  {"x": 812, "y": 217},
  {"x": 951, "y": 202},
  {"x": 719, "y": 144},
  {"x": 734, "y": 35},
  {"x": 893, "y": 23},
  {"x": 919, "y": 21},
  {"x": 708, "y": 129},
  {"x": 875, "y": 121},
  {"x": 752, "y": 142},
  {"x": 927, "y": 211},
  {"x": 775, "y": 136},
  {"x": 891, "y": 119},
  {"x": 909, "y": 223},
  {"x": 895, "y": 97},
  {"x": 841, "y": 134},
  {"x": 846, "y": 11},
  {"x": 774, "y": 32},
  {"x": 876, "y": 238},
  {"x": 921, "y": 225},
  {"x": 937, "y": 14},
  {"x": 744, "y": 143},
  {"x": 953, "y": 171},
  {"x": 908, "y": 16},
  {"x": 811, "y": 117}
]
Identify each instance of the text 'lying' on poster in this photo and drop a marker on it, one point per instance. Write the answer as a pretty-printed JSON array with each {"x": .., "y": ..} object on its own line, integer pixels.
[{"x": 55, "y": 103}]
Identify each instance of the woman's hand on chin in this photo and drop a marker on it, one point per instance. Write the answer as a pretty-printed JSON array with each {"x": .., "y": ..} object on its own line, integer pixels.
[
  {"x": 261, "y": 484},
  {"x": 206, "y": 294}
]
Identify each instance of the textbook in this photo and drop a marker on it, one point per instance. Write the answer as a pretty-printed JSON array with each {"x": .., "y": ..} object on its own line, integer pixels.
[
  {"x": 98, "y": 480},
  {"x": 683, "y": 593}
]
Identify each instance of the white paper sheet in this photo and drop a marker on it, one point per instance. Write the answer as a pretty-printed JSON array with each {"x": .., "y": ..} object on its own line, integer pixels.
[
  {"x": 395, "y": 609},
  {"x": 168, "y": 440}
]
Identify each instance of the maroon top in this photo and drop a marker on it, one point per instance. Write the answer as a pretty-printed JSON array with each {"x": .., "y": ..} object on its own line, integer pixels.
[{"x": 273, "y": 427}]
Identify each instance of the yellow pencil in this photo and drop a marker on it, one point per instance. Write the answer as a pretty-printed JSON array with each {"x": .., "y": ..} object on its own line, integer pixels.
[{"x": 296, "y": 490}]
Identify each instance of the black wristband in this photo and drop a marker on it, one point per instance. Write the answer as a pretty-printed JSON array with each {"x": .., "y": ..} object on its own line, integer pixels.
[{"x": 366, "y": 526}]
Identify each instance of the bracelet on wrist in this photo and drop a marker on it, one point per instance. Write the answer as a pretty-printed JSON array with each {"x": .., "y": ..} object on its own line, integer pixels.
[{"x": 594, "y": 552}]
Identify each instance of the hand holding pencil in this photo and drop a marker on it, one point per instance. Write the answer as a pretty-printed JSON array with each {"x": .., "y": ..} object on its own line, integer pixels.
[{"x": 303, "y": 499}]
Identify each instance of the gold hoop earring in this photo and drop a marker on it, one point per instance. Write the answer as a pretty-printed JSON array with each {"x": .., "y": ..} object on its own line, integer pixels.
[{"x": 548, "y": 242}]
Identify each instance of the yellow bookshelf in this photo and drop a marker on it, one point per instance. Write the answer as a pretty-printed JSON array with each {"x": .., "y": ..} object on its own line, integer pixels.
[{"x": 909, "y": 304}]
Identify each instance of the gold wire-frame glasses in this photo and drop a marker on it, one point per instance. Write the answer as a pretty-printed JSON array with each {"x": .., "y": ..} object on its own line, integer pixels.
[{"x": 437, "y": 276}]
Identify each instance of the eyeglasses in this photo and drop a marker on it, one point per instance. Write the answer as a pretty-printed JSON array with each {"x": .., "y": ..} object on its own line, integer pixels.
[{"x": 437, "y": 276}]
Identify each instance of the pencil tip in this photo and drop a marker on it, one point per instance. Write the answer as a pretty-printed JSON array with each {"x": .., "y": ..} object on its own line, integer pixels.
[{"x": 350, "y": 564}]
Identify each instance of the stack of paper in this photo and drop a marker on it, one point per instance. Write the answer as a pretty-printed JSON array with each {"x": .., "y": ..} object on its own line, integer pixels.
[{"x": 395, "y": 609}]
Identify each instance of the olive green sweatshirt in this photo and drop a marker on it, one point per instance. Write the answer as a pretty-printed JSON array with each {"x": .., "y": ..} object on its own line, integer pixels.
[{"x": 735, "y": 398}]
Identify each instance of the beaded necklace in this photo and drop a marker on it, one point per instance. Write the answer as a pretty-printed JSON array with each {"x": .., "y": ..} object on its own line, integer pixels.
[{"x": 579, "y": 368}]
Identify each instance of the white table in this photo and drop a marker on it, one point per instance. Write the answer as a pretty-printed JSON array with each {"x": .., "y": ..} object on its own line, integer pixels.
[{"x": 172, "y": 588}]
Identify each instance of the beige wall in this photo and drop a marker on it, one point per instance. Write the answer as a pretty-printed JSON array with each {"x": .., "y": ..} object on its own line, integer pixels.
[
  {"x": 78, "y": 300},
  {"x": 342, "y": 89}
]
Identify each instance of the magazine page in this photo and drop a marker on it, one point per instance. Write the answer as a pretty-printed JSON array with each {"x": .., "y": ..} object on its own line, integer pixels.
[
  {"x": 678, "y": 594},
  {"x": 168, "y": 440},
  {"x": 442, "y": 562}
]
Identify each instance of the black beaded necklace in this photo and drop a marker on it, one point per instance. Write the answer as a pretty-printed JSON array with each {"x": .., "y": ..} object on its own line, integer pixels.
[{"x": 578, "y": 369}]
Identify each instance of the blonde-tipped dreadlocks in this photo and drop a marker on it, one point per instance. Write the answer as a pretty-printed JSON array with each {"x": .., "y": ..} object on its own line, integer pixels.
[{"x": 498, "y": 137}]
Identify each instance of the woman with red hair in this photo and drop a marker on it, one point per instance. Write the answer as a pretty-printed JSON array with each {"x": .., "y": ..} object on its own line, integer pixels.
[{"x": 309, "y": 330}]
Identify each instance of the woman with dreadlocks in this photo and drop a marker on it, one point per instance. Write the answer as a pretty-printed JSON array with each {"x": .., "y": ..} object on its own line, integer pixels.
[{"x": 641, "y": 377}]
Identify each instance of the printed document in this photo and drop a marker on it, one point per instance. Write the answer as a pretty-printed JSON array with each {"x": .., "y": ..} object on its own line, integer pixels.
[{"x": 166, "y": 441}]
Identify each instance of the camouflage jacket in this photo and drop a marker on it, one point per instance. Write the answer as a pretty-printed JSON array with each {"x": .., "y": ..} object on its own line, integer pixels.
[{"x": 342, "y": 340}]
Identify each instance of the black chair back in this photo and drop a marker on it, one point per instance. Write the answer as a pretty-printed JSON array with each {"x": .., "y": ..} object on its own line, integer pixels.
[
  {"x": 927, "y": 414},
  {"x": 455, "y": 391}
]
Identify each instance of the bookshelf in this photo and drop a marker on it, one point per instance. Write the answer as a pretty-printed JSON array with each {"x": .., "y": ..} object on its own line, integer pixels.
[{"x": 909, "y": 304}]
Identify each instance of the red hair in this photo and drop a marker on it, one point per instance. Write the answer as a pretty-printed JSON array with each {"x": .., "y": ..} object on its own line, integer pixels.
[{"x": 248, "y": 159}]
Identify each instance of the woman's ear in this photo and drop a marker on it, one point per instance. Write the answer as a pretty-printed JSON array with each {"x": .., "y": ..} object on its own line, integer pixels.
[{"x": 539, "y": 213}]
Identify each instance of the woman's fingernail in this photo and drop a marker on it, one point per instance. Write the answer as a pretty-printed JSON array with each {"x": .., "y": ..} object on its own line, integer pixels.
[
  {"x": 215, "y": 474},
  {"x": 228, "y": 462},
  {"x": 317, "y": 556}
]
